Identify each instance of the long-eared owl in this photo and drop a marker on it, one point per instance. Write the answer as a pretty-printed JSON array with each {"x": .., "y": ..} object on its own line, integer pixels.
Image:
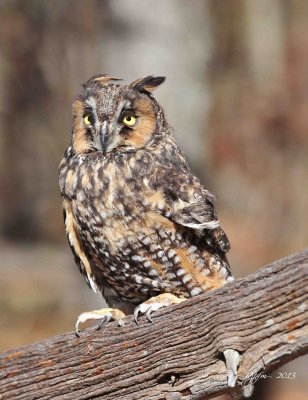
[{"x": 142, "y": 228}]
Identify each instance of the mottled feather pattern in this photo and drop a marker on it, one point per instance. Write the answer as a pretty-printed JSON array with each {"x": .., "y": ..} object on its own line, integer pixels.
[{"x": 137, "y": 219}]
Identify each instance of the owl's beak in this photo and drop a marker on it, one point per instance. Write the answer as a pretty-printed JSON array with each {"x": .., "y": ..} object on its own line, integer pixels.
[{"x": 104, "y": 137}]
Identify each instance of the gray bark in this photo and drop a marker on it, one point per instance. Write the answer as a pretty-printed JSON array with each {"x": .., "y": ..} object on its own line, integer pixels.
[{"x": 263, "y": 316}]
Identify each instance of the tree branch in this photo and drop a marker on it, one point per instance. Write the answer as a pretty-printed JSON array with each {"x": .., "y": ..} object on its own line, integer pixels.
[{"x": 263, "y": 316}]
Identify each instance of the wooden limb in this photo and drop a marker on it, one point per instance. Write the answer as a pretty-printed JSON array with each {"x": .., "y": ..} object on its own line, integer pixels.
[{"x": 180, "y": 355}]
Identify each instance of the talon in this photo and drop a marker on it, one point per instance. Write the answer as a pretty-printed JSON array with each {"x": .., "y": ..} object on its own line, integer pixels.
[
  {"x": 100, "y": 325},
  {"x": 155, "y": 303},
  {"x": 106, "y": 315},
  {"x": 121, "y": 323},
  {"x": 136, "y": 313},
  {"x": 232, "y": 361},
  {"x": 148, "y": 314}
]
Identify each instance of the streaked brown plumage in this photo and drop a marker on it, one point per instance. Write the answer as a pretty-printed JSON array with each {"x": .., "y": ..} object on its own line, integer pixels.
[{"x": 138, "y": 221}]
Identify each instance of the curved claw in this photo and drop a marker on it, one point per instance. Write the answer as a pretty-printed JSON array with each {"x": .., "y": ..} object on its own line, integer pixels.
[
  {"x": 136, "y": 313},
  {"x": 81, "y": 319},
  {"x": 148, "y": 314},
  {"x": 155, "y": 303},
  {"x": 99, "y": 326},
  {"x": 105, "y": 315},
  {"x": 121, "y": 323}
]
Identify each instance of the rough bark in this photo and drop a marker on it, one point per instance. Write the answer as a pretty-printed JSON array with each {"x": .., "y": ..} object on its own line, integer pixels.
[{"x": 263, "y": 316}]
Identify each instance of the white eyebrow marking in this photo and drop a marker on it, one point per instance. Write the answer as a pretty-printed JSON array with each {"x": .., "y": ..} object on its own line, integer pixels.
[
  {"x": 123, "y": 104},
  {"x": 115, "y": 120},
  {"x": 90, "y": 101}
]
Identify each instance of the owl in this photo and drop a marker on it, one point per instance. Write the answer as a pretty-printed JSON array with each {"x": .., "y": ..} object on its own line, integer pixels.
[{"x": 143, "y": 230}]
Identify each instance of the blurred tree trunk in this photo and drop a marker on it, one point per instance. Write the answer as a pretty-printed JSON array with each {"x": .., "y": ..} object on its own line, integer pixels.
[
  {"x": 173, "y": 41},
  {"x": 24, "y": 79},
  {"x": 48, "y": 52},
  {"x": 256, "y": 123}
]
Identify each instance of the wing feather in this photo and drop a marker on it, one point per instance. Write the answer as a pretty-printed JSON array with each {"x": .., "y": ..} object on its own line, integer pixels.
[
  {"x": 76, "y": 245},
  {"x": 189, "y": 204}
]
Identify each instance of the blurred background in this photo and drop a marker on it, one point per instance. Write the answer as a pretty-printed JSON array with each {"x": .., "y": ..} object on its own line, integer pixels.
[{"x": 236, "y": 94}]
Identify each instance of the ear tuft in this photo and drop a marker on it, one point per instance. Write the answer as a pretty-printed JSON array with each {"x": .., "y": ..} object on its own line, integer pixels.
[
  {"x": 103, "y": 79},
  {"x": 148, "y": 84}
]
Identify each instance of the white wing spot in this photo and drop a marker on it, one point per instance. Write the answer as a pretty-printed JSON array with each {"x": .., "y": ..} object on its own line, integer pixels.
[
  {"x": 180, "y": 272},
  {"x": 195, "y": 291},
  {"x": 186, "y": 278}
]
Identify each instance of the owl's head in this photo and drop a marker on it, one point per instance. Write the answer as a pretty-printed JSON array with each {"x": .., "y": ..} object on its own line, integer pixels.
[{"x": 108, "y": 115}]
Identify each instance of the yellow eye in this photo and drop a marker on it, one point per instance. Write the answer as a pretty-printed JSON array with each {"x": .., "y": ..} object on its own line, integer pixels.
[
  {"x": 87, "y": 119},
  {"x": 129, "y": 120}
]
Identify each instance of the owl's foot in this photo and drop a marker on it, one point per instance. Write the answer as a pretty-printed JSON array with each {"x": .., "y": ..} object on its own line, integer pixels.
[
  {"x": 154, "y": 303},
  {"x": 105, "y": 315}
]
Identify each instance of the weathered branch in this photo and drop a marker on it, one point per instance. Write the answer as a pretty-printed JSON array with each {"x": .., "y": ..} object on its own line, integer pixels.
[{"x": 263, "y": 316}]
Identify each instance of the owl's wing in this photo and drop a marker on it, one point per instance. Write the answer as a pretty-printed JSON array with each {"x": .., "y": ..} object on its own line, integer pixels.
[
  {"x": 81, "y": 257},
  {"x": 189, "y": 204}
]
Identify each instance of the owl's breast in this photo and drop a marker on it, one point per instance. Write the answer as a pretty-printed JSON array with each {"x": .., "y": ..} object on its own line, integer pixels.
[{"x": 109, "y": 198}]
